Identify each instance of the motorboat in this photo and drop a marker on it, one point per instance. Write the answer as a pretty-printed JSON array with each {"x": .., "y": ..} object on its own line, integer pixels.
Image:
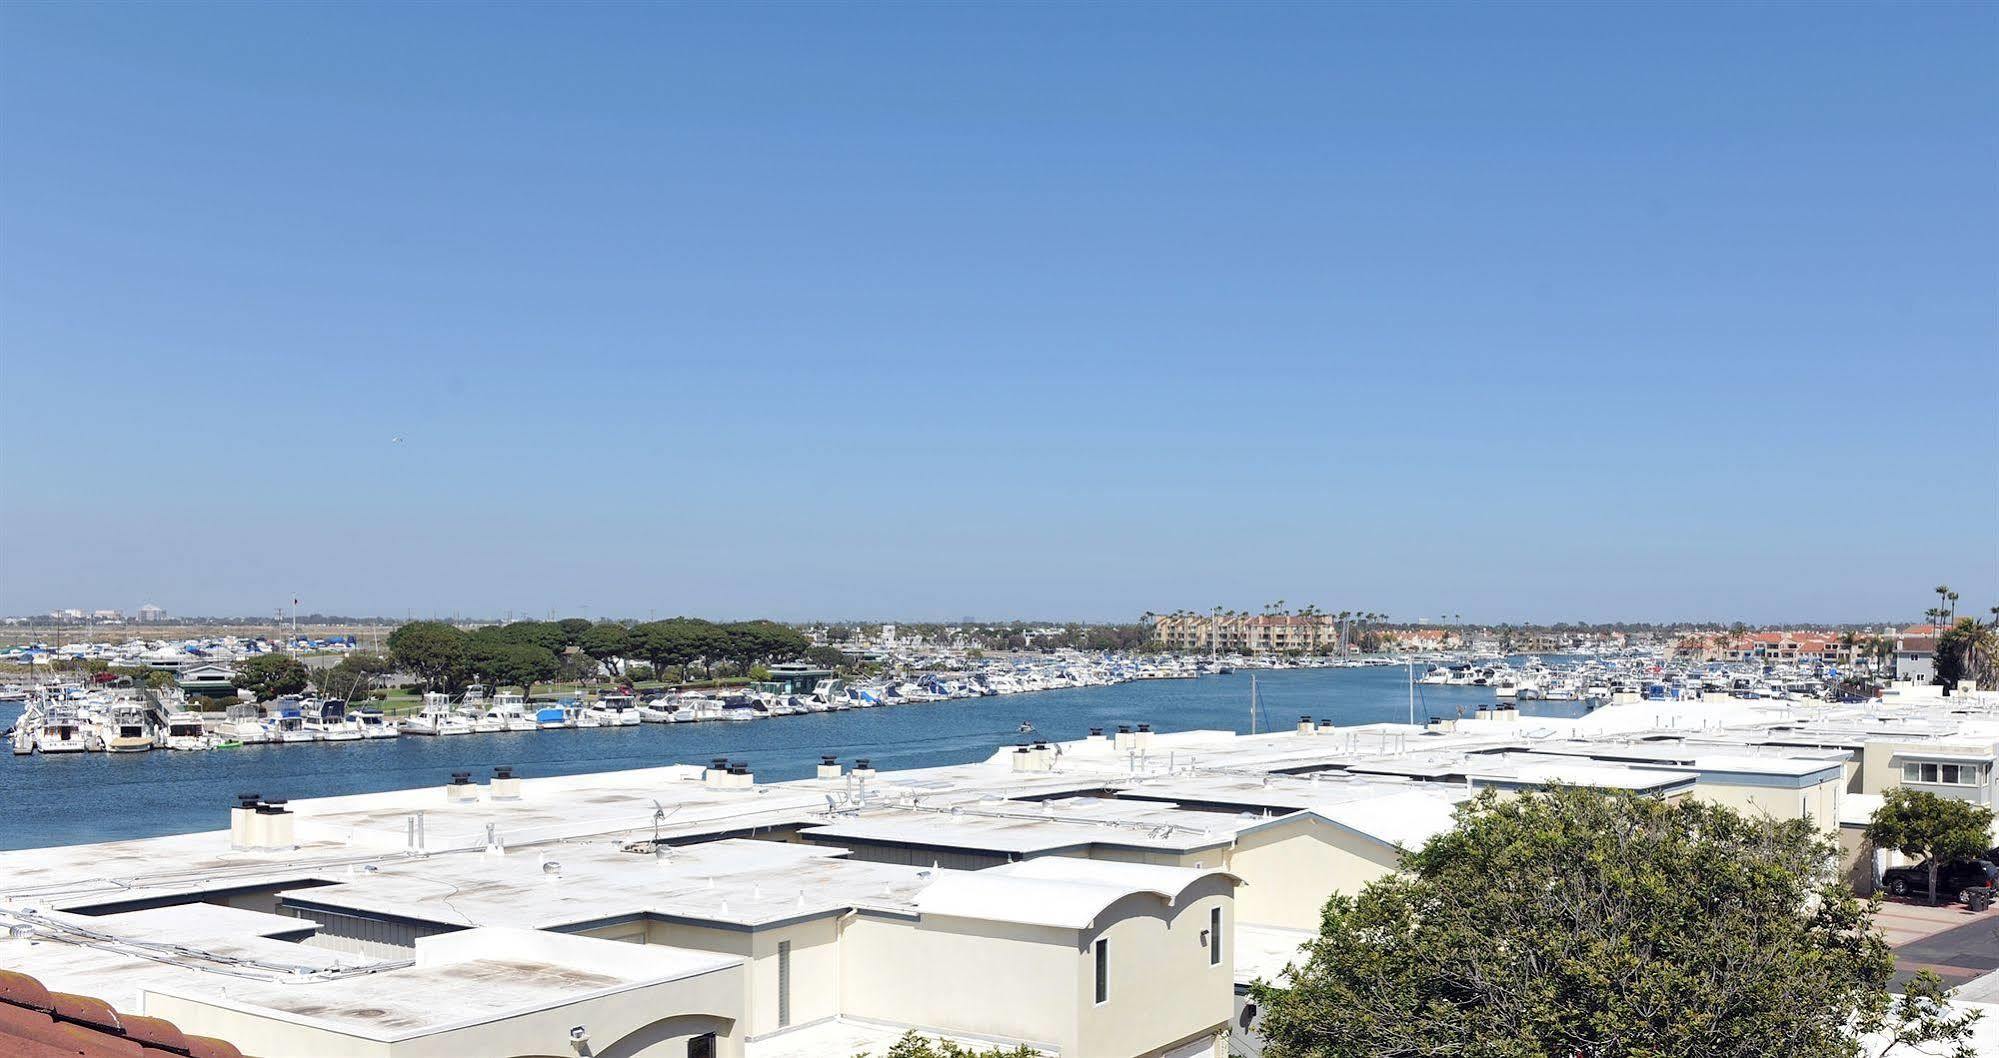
[
  {"x": 185, "y": 730},
  {"x": 129, "y": 729},
  {"x": 288, "y": 725},
  {"x": 329, "y": 720},
  {"x": 60, "y": 730},
  {"x": 373, "y": 724},
  {"x": 615, "y": 710},
  {"x": 551, "y": 717}
]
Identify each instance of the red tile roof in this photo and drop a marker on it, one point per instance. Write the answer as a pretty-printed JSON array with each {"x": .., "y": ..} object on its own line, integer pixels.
[{"x": 38, "y": 1023}]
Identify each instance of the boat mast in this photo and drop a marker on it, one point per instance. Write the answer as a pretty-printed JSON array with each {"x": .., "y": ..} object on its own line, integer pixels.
[
  {"x": 1412, "y": 688},
  {"x": 1252, "y": 703}
]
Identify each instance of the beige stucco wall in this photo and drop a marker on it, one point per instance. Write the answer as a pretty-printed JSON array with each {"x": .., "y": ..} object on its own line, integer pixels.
[
  {"x": 995, "y": 979},
  {"x": 654, "y": 1021},
  {"x": 1164, "y": 988},
  {"x": 1289, "y": 871},
  {"x": 1037, "y": 984},
  {"x": 815, "y": 966},
  {"x": 1818, "y": 803}
]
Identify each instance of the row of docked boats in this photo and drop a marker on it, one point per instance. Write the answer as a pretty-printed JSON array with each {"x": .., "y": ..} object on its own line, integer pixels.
[
  {"x": 72, "y": 719},
  {"x": 1650, "y": 678}
]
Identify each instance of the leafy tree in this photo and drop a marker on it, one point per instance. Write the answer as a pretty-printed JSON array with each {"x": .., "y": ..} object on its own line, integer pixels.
[
  {"x": 507, "y": 664},
  {"x": 912, "y": 1045},
  {"x": 352, "y": 676},
  {"x": 1936, "y": 829},
  {"x": 759, "y": 674},
  {"x": 548, "y": 635},
  {"x": 838, "y": 633},
  {"x": 573, "y": 629},
  {"x": 827, "y": 657},
  {"x": 605, "y": 642},
  {"x": 1968, "y": 650},
  {"x": 269, "y": 675},
  {"x": 433, "y": 651},
  {"x": 1578, "y": 924},
  {"x": 750, "y": 642},
  {"x": 676, "y": 642}
]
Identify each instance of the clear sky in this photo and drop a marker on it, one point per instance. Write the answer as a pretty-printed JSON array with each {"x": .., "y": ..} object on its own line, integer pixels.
[{"x": 1516, "y": 312}]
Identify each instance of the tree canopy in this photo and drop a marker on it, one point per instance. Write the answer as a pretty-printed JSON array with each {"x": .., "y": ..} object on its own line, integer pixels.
[
  {"x": 269, "y": 675},
  {"x": 1968, "y": 650},
  {"x": 1932, "y": 828},
  {"x": 432, "y": 651},
  {"x": 352, "y": 676},
  {"x": 912, "y": 1045},
  {"x": 605, "y": 642},
  {"x": 1578, "y": 924}
]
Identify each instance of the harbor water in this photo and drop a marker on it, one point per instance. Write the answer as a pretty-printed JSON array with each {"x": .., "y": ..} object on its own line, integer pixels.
[{"x": 88, "y": 797}]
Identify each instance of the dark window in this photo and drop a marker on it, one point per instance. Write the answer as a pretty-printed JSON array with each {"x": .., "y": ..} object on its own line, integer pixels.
[
  {"x": 1103, "y": 970},
  {"x": 1214, "y": 936},
  {"x": 701, "y": 1046},
  {"x": 783, "y": 984}
]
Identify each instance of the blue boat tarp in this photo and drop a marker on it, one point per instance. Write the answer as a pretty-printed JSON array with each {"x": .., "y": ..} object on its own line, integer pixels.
[{"x": 543, "y": 716}]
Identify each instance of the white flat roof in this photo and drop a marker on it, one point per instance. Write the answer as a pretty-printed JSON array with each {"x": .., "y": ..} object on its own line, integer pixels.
[
  {"x": 1055, "y": 891},
  {"x": 1406, "y": 820}
]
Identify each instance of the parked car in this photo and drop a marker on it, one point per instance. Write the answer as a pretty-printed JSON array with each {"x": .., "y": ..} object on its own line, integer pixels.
[{"x": 1952, "y": 878}]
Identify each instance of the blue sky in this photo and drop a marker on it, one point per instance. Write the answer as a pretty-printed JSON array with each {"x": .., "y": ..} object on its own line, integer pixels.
[{"x": 1518, "y": 312}]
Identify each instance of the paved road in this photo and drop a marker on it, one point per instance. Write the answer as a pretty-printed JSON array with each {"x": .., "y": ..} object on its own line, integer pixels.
[{"x": 1957, "y": 955}]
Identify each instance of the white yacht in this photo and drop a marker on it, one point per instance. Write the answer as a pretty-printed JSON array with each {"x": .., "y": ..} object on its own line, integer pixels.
[
  {"x": 430, "y": 721},
  {"x": 615, "y": 710},
  {"x": 513, "y": 711},
  {"x": 329, "y": 720},
  {"x": 185, "y": 730},
  {"x": 60, "y": 730},
  {"x": 128, "y": 729},
  {"x": 288, "y": 725},
  {"x": 373, "y": 724}
]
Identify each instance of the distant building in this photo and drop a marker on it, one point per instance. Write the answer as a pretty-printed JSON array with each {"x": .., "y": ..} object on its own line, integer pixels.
[
  {"x": 1248, "y": 633},
  {"x": 1916, "y": 658},
  {"x": 208, "y": 677},
  {"x": 151, "y": 614}
]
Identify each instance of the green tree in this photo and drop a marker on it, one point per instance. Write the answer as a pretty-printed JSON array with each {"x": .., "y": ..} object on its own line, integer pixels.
[
  {"x": 432, "y": 651},
  {"x": 676, "y": 642},
  {"x": 352, "y": 676},
  {"x": 750, "y": 642},
  {"x": 548, "y": 635},
  {"x": 912, "y": 1045},
  {"x": 1968, "y": 651},
  {"x": 1936, "y": 829},
  {"x": 573, "y": 629},
  {"x": 506, "y": 664},
  {"x": 269, "y": 675},
  {"x": 827, "y": 657},
  {"x": 1573, "y": 923},
  {"x": 606, "y": 642}
]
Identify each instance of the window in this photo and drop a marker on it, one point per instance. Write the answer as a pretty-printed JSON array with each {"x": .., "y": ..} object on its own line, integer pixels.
[
  {"x": 1103, "y": 971},
  {"x": 783, "y": 984},
  {"x": 1214, "y": 936},
  {"x": 701, "y": 1046},
  {"x": 1944, "y": 774}
]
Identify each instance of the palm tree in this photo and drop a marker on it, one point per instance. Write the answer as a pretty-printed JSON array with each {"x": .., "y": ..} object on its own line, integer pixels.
[{"x": 1943, "y": 596}]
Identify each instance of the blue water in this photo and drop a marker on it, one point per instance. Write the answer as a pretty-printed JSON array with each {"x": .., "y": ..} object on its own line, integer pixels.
[{"x": 87, "y": 797}]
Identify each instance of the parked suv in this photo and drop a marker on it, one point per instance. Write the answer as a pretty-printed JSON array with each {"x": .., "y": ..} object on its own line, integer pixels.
[{"x": 1952, "y": 878}]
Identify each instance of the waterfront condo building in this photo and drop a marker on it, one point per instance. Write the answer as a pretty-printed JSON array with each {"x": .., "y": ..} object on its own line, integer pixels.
[{"x": 1248, "y": 633}]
